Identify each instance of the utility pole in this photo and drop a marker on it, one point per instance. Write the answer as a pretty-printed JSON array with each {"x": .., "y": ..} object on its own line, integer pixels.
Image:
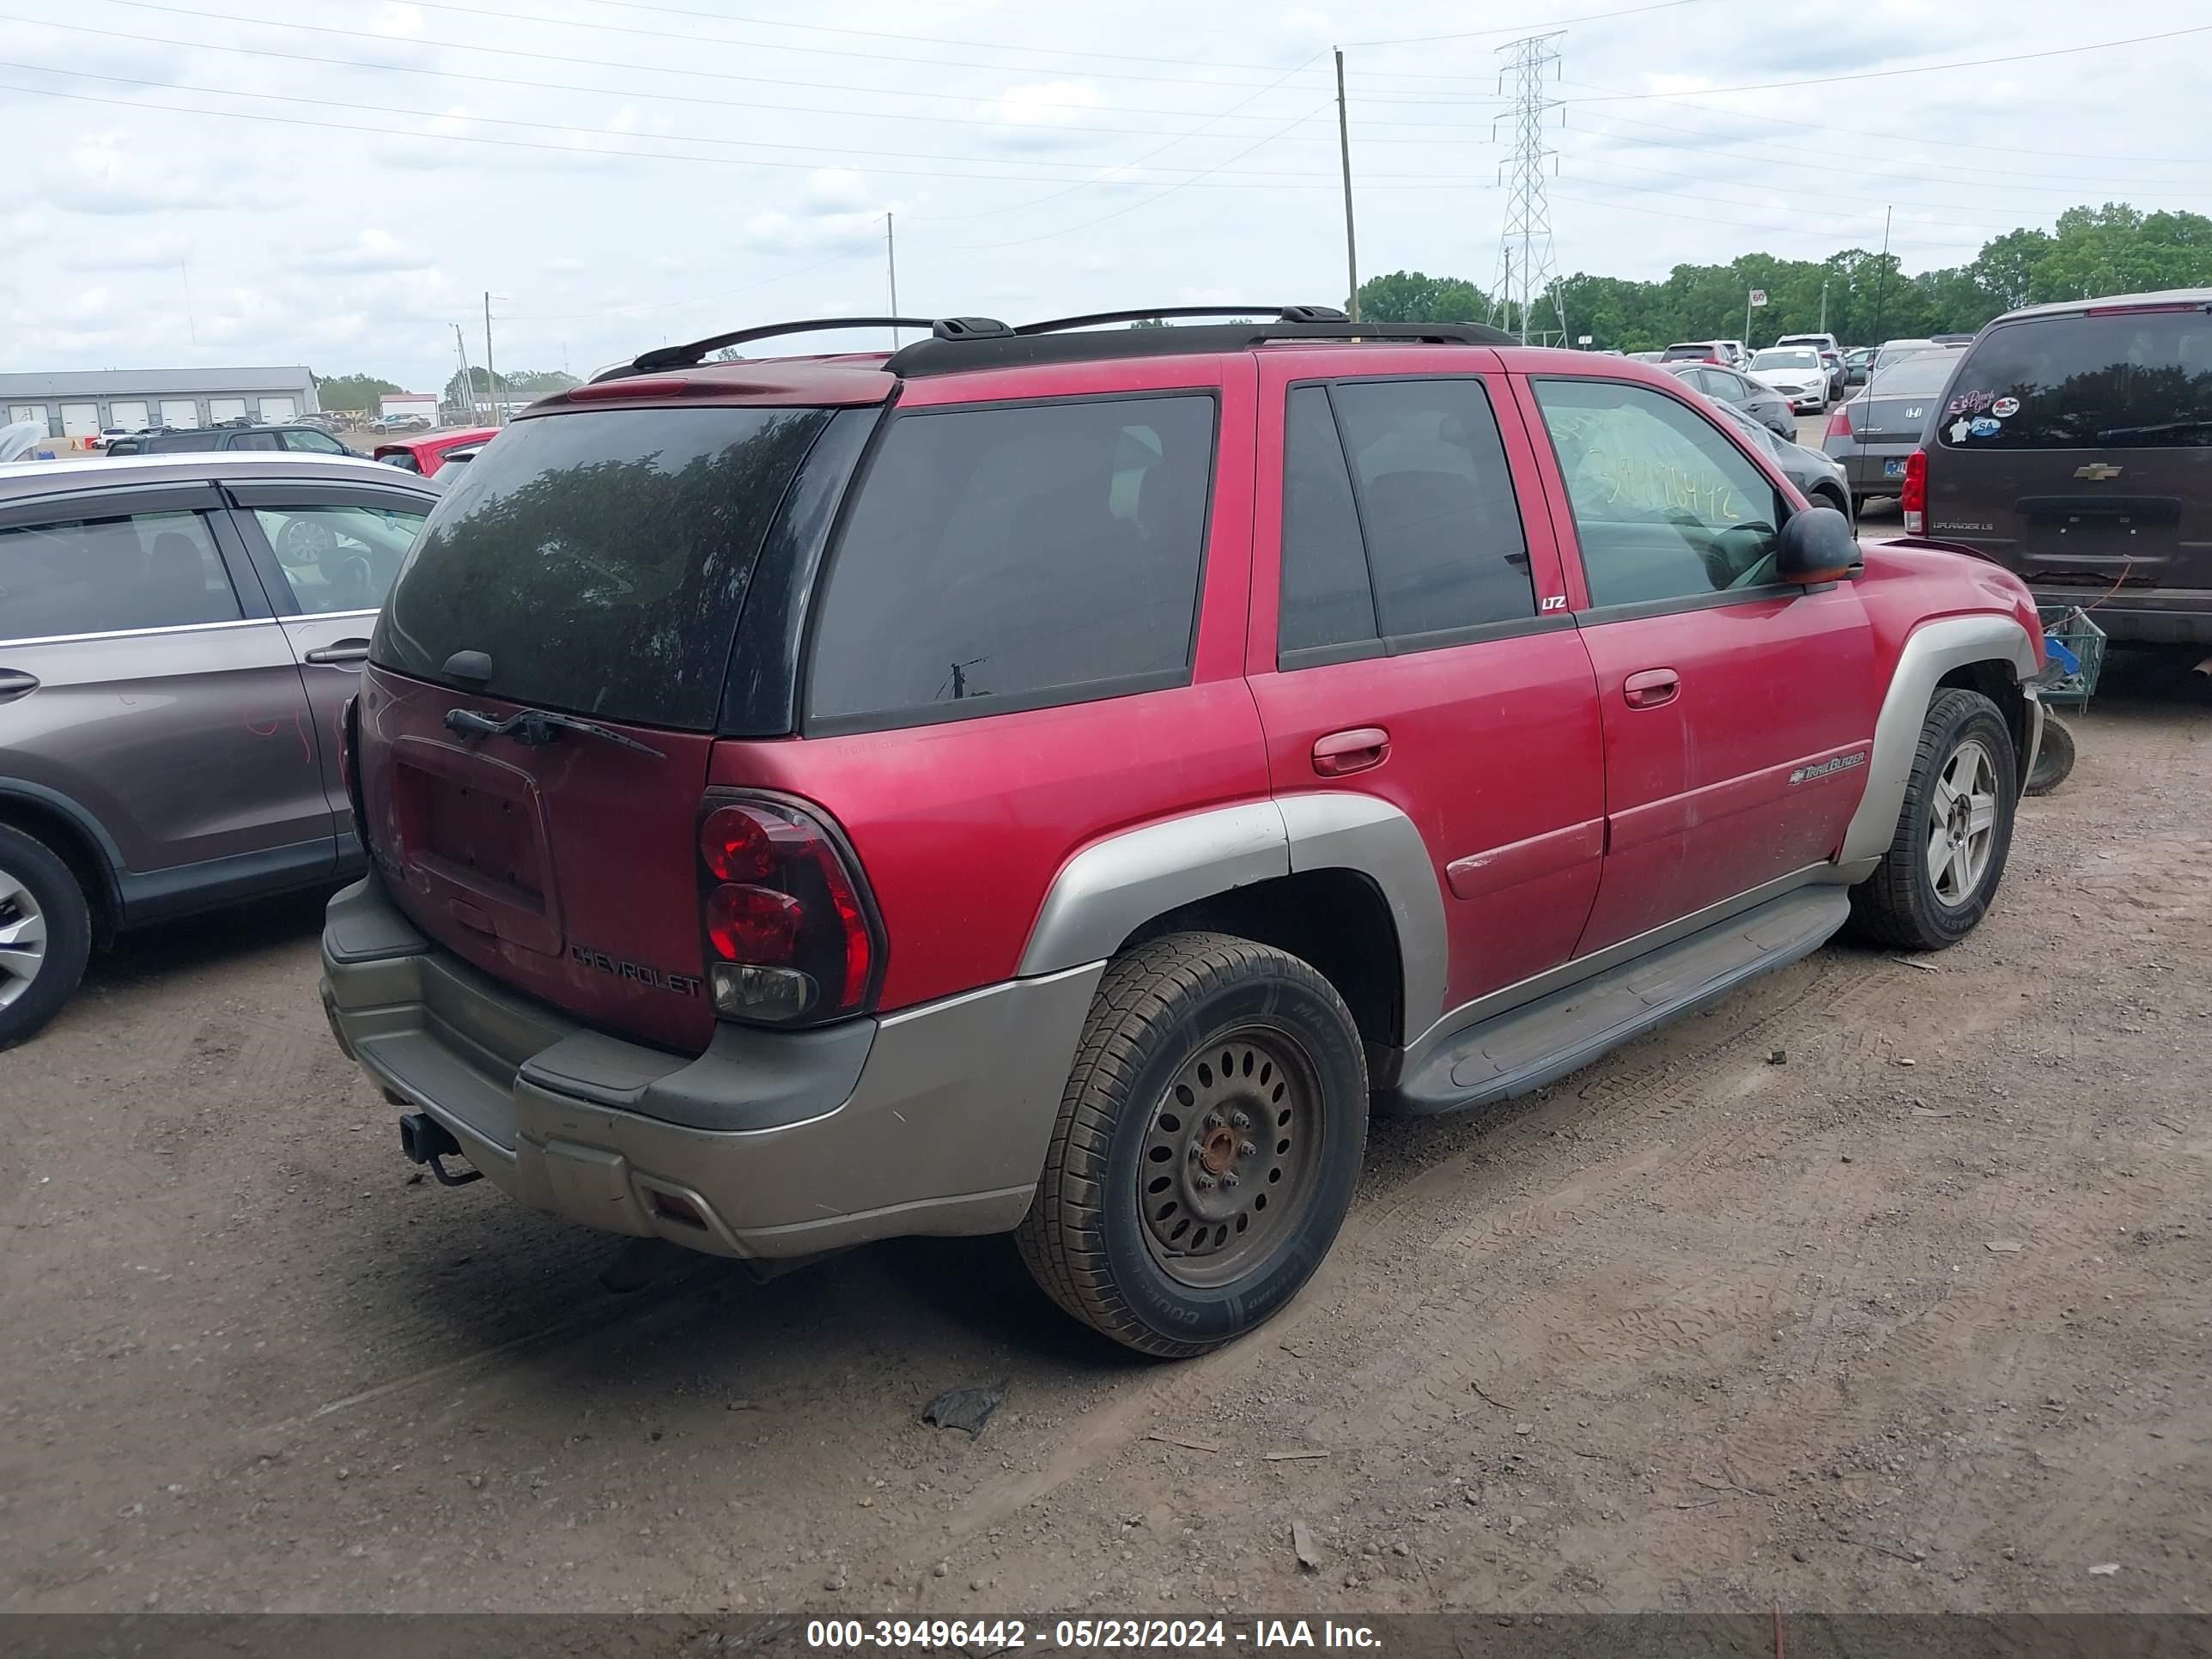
[
  {"x": 491, "y": 378},
  {"x": 1881, "y": 274},
  {"x": 1344, "y": 149},
  {"x": 468, "y": 380},
  {"x": 891, "y": 259},
  {"x": 1524, "y": 245},
  {"x": 1824, "y": 307}
]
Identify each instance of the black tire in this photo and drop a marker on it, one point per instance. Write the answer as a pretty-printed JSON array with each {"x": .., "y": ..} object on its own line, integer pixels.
[
  {"x": 1830, "y": 498},
  {"x": 2054, "y": 761},
  {"x": 1899, "y": 905},
  {"x": 67, "y": 927},
  {"x": 1090, "y": 1237}
]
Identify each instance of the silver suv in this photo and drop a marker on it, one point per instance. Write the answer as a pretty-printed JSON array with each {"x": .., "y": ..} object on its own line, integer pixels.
[{"x": 178, "y": 637}]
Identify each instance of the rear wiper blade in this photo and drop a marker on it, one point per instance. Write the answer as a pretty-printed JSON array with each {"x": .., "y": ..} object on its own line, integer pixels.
[
  {"x": 2111, "y": 432},
  {"x": 532, "y": 727}
]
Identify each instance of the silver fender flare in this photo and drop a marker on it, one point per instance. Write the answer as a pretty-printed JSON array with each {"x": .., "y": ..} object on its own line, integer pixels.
[
  {"x": 1114, "y": 886},
  {"x": 1932, "y": 650}
]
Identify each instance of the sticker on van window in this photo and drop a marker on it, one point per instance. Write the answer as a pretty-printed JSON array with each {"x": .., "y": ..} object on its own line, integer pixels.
[
  {"x": 1958, "y": 430},
  {"x": 1970, "y": 402},
  {"x": 1984, "y": 427},
  {"x": 2005, "y": 406}
]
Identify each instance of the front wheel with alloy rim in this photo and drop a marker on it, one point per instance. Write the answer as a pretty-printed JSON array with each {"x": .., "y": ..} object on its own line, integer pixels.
[
  {"x": 1207, "y": 1145},
  {"x": 1935, "y": 882},
  {"x": 46, "y": 934}
]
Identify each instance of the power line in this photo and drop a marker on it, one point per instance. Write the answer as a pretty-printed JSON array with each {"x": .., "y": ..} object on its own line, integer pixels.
[
  {"x": 1869, "y": 75},
  {"x": 1547, "y": 23},
  {"x": 649, "y": 68},
  {"x": 602, "y": 132},
  {"x": 719, "y": 103}
]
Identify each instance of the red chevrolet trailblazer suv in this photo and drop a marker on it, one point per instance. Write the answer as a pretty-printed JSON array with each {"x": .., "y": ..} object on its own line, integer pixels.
[{"x": 1059, "y": 780}]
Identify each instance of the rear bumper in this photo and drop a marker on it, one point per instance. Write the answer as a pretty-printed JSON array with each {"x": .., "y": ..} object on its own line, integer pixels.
[
  {"x": 2150, "y": 615},
  {"x": 1863, "y": 467},
  {"x": 932, "y": 1119}
]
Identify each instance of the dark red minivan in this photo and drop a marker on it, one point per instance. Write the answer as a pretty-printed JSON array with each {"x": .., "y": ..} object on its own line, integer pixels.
[{"x": 2074, "y": 446}]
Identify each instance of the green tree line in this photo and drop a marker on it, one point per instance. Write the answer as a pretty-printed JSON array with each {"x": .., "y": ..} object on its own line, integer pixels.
[{"x": 2114, "y": 249}]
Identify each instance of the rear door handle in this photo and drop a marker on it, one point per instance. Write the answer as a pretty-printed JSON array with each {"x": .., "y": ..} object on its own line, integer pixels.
[
  {"x": 1651, "y": 688},
  {"x": 1353, "y": 751},
  {"x": 344, "y": 650},
  {"x": 15, "y": 684}
]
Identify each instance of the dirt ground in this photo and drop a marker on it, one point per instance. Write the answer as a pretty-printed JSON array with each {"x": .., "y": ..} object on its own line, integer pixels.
[{"x": 1882, "y": 1284}]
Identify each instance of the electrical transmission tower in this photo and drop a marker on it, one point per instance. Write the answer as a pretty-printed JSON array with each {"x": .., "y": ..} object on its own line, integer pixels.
[{"x": 1525, "y": 273}]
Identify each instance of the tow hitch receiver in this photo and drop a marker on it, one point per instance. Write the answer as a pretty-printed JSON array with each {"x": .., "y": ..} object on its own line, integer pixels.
[{"x": 425, "y": 1140}]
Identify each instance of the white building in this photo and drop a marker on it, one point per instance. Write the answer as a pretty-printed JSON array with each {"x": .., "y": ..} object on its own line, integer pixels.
[
  {"x": 82, "y": 404},
  {"x": 424, "y": 403}
]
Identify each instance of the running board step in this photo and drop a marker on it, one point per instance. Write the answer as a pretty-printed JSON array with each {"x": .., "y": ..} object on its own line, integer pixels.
[{"x": 1511, "y": 1053}]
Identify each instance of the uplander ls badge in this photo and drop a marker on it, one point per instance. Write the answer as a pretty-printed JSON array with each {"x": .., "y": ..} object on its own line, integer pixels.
[{"x": 684, "y": 985}]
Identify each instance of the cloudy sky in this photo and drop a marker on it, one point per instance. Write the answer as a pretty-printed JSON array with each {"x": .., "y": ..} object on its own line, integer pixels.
[{"x": 194, "y": 181}]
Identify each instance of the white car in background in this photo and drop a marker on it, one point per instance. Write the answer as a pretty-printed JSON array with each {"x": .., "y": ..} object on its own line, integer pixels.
[{"x": 1797, "y": 372}]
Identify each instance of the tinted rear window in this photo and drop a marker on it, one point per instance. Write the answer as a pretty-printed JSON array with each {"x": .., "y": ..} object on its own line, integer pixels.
[
  {"x": 1016, "y": 557},
  {"x": 599, "y": 559},
  {"x": 1922, "y": 376},
  {"x": 2130, "y": 380},
  {"x": 167, "y": 443}
]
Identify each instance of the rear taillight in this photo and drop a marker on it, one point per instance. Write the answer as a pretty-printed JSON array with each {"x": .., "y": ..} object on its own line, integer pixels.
[
  {"x": 792, "y": 938},
  {"x": 1839, "y": 424},
  {"x": 350, "y": 765},
  {"x": 1913, "y": 498}
]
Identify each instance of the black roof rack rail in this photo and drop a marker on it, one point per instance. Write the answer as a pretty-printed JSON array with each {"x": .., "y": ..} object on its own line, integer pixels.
[
  {"x": 694, "y": 353},
  {"x": 1282, "y": 314},
  {"x": 1020, "y": 347}
]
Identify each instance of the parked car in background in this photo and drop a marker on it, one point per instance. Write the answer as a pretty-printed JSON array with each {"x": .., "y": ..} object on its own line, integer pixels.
[
  {"x": 1756, "y": 398},
  {"x": 1838, "y": 379},
  {"x": 1873, "y": 434},
  {"x": 426, "y": 455},
  {"x": 401, "y": 423},
  {"x": 1645, "y": 356},
  {"x": 1817, "y": 341},
  {"x": 1738, "y": 353},
  {"x": 673, "y": 931},
  {"x": 288, "y": 438},
  {"x": 1953, "y": 339},
  {"x": 99, "y": 441},
  {"x": 178, "y": 638},
  {"x": 1795, "y": 372},
  {"x": 1819, "y": 480},
  {"x": 1698, "y": 351},
  {"x": 1856, "y": 361},
  {"x": 2074, "y": 448},
  {"x": 1892, "y": 352}
]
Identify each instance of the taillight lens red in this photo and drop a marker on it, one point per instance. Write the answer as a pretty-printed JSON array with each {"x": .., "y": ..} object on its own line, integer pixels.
[
  {"x": 1913, "y": 498},
  {"x": 1839, "y": 424},
  {"x": 791, "y": 935},
  {"x": 753, "y": 924},
  {"x": 734, "y": 845}
]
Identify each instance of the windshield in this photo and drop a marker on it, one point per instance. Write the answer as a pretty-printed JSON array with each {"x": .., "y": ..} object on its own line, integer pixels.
[
  {"x": 600, "y": 559},
  {"x": 1794, "y": 357},
  {"x": 1921, "y": 375}
]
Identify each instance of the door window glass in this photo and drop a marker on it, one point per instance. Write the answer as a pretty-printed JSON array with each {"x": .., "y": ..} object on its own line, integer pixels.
[
  {"x": 1444, "y": 542},
  {"x": 104, "y": 575},
  {"x": 339, "y": 558},
  {"x": 1665, "y": 505},
  {"x": 2131, "y": 379},
  {"x": 1326, "y": 598},
  {"x": 1043, "y": 553}
]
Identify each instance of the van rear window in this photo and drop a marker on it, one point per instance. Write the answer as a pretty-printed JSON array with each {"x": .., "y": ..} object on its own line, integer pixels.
[
  {"x": 599, "y": 559},
  {"x": 2132, "y": 379}
]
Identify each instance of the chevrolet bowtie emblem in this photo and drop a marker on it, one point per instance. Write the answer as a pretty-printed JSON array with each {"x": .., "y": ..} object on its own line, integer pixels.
[{"x": 2096, "y": 471}]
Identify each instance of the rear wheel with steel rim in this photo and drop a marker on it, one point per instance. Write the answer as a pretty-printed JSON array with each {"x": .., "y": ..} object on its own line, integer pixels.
[
  {"x": 1208, "y": 1146},
  {"x": 46, "y": 934},
  {"x": 1935, "y": 882}
]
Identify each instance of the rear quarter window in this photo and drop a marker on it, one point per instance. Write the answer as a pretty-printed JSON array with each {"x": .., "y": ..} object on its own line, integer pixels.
[
  {"x": 1015, "y": 556},
  {"x": 2128, "y": 380}
]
